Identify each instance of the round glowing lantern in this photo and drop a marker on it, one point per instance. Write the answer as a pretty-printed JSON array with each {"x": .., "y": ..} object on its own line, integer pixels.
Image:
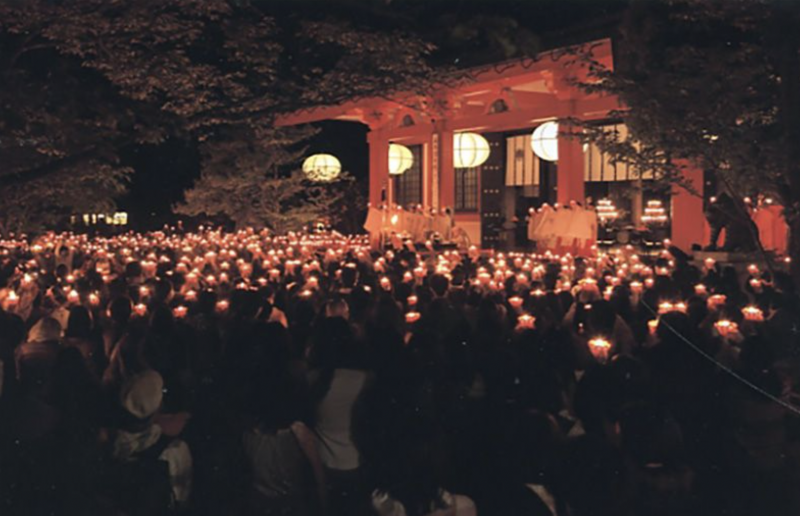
[
  {"x": 469, "y": 150},
  {"x": 322, "y": 167},
  {"x": 400, "y": 159},
  {"x": 544, "y": 141}
]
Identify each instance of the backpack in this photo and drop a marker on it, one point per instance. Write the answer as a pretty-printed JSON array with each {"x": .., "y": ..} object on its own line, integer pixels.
[{"x": 141, "y": 486}]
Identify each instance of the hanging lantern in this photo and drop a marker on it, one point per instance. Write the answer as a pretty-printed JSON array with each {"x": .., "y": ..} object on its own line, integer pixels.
[
  {"x": 322, "y": 167},
  {"x": 544, "y": 141},
  {"x": 469, "y": 150},
  {"x": 400, "y": 159}
]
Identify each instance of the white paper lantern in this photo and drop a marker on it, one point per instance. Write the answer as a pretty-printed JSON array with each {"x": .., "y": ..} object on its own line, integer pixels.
[
  {"x": 544, "y": 141},
  {"x": 400, "y": 159},
  {"x": 322, "y": 167},
  {"x": 469, "y": 150}
]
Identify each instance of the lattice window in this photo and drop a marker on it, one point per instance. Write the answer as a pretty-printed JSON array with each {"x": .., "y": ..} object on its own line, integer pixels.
[
  {"x": 467, "y": 189},
  {"x": 408, "y": 185}
]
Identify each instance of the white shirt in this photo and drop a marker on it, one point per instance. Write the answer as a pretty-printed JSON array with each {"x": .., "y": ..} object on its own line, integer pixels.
[{"x": 334, "y": 418}]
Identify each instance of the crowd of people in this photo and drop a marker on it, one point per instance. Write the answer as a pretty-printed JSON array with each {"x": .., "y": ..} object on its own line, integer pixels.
[{"x": 215, "y": 373}]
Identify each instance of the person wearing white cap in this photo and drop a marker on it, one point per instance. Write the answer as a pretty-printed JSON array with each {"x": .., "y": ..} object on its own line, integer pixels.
[{"x": 140, "y": 397}]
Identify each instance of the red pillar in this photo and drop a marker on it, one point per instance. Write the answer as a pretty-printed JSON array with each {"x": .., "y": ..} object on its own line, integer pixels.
[
  {"x": 687, "y": 210},
  {"x": 378, "y": 166},
  {"x": 446, "y": 172},
  {"x": 570, "y": 169}
]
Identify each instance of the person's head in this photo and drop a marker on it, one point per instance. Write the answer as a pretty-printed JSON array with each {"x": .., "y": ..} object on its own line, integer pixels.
[
  {"x": 439, "y": 284},
  {"x": 120, "y": 310},
  {"x": 337, "y": 307},
  {"x": 47, "y": 329},
  {"x": 141, "y": 395},
  {"x": 79, "y": 324},
  {"x": 333, "y": 345}
]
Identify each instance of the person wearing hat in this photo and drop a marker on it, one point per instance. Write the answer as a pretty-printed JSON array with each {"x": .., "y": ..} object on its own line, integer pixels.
[
  {"x": 140, "y": 398},
  {"x": 35, "y": 358}
]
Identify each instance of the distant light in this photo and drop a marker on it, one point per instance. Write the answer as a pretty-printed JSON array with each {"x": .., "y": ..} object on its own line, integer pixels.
[
  {"x": 400, "y": 159},
  {"x": 469, "y": 150},
  {"x": 322, "y": 167},
  {"x": 544, "y": 141}
]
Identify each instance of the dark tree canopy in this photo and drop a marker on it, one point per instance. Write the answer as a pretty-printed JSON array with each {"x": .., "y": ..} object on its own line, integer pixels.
[
  {"x": 714, "y": 83},
  {"x": 83, "y": 80}
]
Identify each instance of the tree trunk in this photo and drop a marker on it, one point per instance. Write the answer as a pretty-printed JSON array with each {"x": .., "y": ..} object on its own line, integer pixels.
[{"x": 794, "y": 249}]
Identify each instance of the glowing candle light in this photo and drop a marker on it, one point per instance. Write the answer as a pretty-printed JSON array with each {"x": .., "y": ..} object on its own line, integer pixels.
[
  {"x": 753, "y": 313},
  {"x": 140, "y": 309},
  {"x": 526, "y": 322},
  {"x": 386, "y": 283},
  {"x": 94, "y": 299},
  {"x": 222, "y": 305},
  {"x": 636, "y": 287},
  {"x": 652, "y": 325},
  {"x": 73, "y": 297},
  {"x": 412, "y": 300},
  {"x": 700, "y": 289},
  {"x": 600, "y": 349},
  {"x": 412, "y": 317},
  {"x": 716, "y": 300},
  {"x": 726, "y": 327},
  {"x": 12, "y": 299},
  {"x": 649, "y": 282},
  {"x": 756, "y": 284},
  {"x": 515, "y": 302},
  {"x": 191, "y": 295},
  {"x": 180, "y": 312}
]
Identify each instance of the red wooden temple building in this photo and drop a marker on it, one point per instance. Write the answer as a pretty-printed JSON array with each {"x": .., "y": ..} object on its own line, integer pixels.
[{"x": 505, "y": 103}]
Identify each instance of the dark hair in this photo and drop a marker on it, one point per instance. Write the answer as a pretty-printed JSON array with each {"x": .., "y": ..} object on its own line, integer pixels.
[{"x": 79, "y": 324}]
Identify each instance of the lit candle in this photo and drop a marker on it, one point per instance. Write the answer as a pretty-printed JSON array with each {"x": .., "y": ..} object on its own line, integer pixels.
[
  {"x": 412, "y": 317},
  {"x": 94, "y": 299},
  {"x": 140, "y": 309},
  {"x": 756, "y": 284},
  {"x": 716, "y": 300},
  {"x": 222, "y": 305},
  {"x": 636, "y": 287},
  {"x": 752, "y": 269},
  {"x": 753, "y": 313},
  {"x": 73, "y": 297},
  {"x": 652, "y": 325},
  {"x": 386, "y": 283},
  {"x": 700, "y": 289},
  {"x": 600, "y": 348},
  {"x": 412, "y": 300},
  {"x": 191, "y": 295},
  {"x": 725, "y": 327},
  {"x": 515, "y": 301},
  {"x": 526, "y": 322},
  {"x": 649, "y": 282}
]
